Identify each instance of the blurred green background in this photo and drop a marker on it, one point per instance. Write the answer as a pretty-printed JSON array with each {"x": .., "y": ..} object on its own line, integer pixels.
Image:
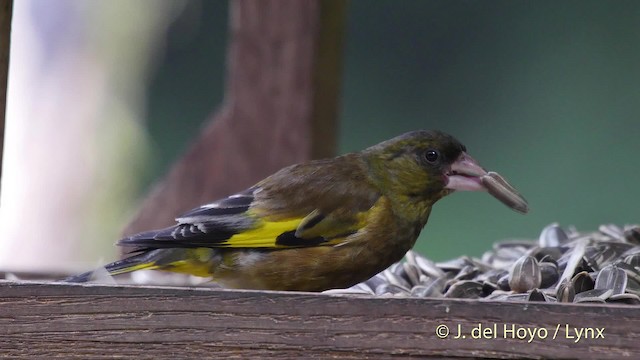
[
  {"x": 105, "y": 95},
  {"x": 545, "y": 92}
]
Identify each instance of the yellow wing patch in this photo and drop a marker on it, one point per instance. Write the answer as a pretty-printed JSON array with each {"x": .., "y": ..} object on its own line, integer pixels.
[
  {"x": 262, "y": 236},
  {"x": 196, "y": 262},
  {"x": 136, "y": 267},
  {"x": 312, "y": 230}
]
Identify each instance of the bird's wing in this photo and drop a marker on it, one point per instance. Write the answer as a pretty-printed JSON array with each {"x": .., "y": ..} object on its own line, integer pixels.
[{"x": 272, "y": 214}]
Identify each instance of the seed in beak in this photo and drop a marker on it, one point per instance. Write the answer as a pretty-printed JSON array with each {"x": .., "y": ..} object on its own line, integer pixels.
[{"x": 500, "y": 189}]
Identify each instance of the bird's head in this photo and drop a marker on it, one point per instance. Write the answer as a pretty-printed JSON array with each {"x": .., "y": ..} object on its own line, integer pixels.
[{"x": 424, "y": 166}]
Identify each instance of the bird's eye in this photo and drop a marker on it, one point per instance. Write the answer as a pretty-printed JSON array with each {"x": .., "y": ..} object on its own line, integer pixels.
[{"x": 431, "y": 156}]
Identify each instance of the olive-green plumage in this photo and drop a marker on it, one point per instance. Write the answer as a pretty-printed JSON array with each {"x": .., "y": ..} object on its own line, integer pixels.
[{"x": 313, "y": 226}]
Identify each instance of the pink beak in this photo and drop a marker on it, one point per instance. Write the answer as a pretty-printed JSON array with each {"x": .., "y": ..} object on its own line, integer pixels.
[{"x": 465, "y": 175}]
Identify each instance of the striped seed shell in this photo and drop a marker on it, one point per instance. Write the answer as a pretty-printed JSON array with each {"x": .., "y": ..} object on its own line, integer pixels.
[
  {"x": 525, "y": 275},
  {"x": 499, "y": 188}
]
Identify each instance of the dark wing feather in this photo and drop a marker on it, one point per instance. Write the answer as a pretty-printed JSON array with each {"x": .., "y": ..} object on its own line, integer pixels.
[
  {"x": 206, "y": 226},
  {"x": 234, "y": 204}
]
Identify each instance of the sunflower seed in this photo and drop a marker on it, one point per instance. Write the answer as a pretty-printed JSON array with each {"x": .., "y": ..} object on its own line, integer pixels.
[
  {"x": 538, "y": 295},
  {"x": 511, "y": 252},
  {"x": 549, "y": 274},
  {"x": 547, "y": 253},
  {"x": 632, "y": 234},
  {"x": 631, "y": 271},
  {"x": 467, "y": 273},
  {"x": 612, "y": 277},
  {"x": 566, "y": 292},
  {"x": 347, "y": 292},
  {"x": 499, "y": 188},
  {"x": 413, "y": 274},
  {"x": 552, "y": 236},
  {"x": 626, "y": 298},
  {"x": 594, "y": 295},
  {"x": 362, "y": 287},
  {"x": 425, "y": 291},
  {"x": 425, "y": 280},
  {"x": 455, "y": 264},
  {"x": 437, "y": 286},
  {"x": 525, "y": 274},
  {"x": 633, "y": 260},
  {"x": 429, "y": 267},
  {"x": 503, "y": 283},
  {"x": 385, "y": 289},
  {"x": 492, "y": 276},
  {"x": 582, "y": 282},
  {"x": 465, "y": 289},
  {"x": 376, "y": 281},
  {"x": 633, "y": 287},
  {"x": 518, "y": 297},
  {"x": 497, "y": 295},
  {"x": 573, "y": 259},
  {"x": 611, "y": 230},
  {"x": 393, "y": 279},
  {"x": 521, "y": 243}
]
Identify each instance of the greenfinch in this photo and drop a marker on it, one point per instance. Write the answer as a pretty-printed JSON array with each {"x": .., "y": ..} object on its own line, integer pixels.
[{"x": 318, "y": 225}]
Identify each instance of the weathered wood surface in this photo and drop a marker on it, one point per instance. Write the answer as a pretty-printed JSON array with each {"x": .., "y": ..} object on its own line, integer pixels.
[
  {"x": 6, "y": 12},
  {"x": 45, "y": 320},
  {"x": 280, "y": 108}
]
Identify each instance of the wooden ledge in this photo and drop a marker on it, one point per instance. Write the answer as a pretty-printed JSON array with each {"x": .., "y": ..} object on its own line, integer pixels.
[{"x": 40, "y": 319}]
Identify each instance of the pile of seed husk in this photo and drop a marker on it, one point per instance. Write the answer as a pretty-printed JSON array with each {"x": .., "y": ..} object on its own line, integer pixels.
[{"x": 564, "y": 265}]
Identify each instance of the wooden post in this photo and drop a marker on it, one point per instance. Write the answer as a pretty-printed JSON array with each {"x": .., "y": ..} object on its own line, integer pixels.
[
  {"x": 280, "y": 107},
  {"x": 6, "y": 10}
]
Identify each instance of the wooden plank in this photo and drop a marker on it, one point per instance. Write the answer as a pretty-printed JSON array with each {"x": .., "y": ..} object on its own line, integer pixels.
[
  {"x": 6, "y": 11},
  {"x": 280, "y": 108},
  {"x": 48, "y": 320}
]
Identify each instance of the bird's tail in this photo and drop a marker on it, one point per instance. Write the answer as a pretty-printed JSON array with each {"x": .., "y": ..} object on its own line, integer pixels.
[{"x": 133, "y": 263}]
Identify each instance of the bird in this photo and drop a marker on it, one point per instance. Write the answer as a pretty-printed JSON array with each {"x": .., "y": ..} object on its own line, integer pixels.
[{"x": 324, "y": 224}]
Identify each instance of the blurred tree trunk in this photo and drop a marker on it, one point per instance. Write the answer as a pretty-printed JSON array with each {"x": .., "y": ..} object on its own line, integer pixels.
[
  {"x": 74, "y": 133},
  {"x": 281, "y": 104},
  {"x": 6, "y": 10}
]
